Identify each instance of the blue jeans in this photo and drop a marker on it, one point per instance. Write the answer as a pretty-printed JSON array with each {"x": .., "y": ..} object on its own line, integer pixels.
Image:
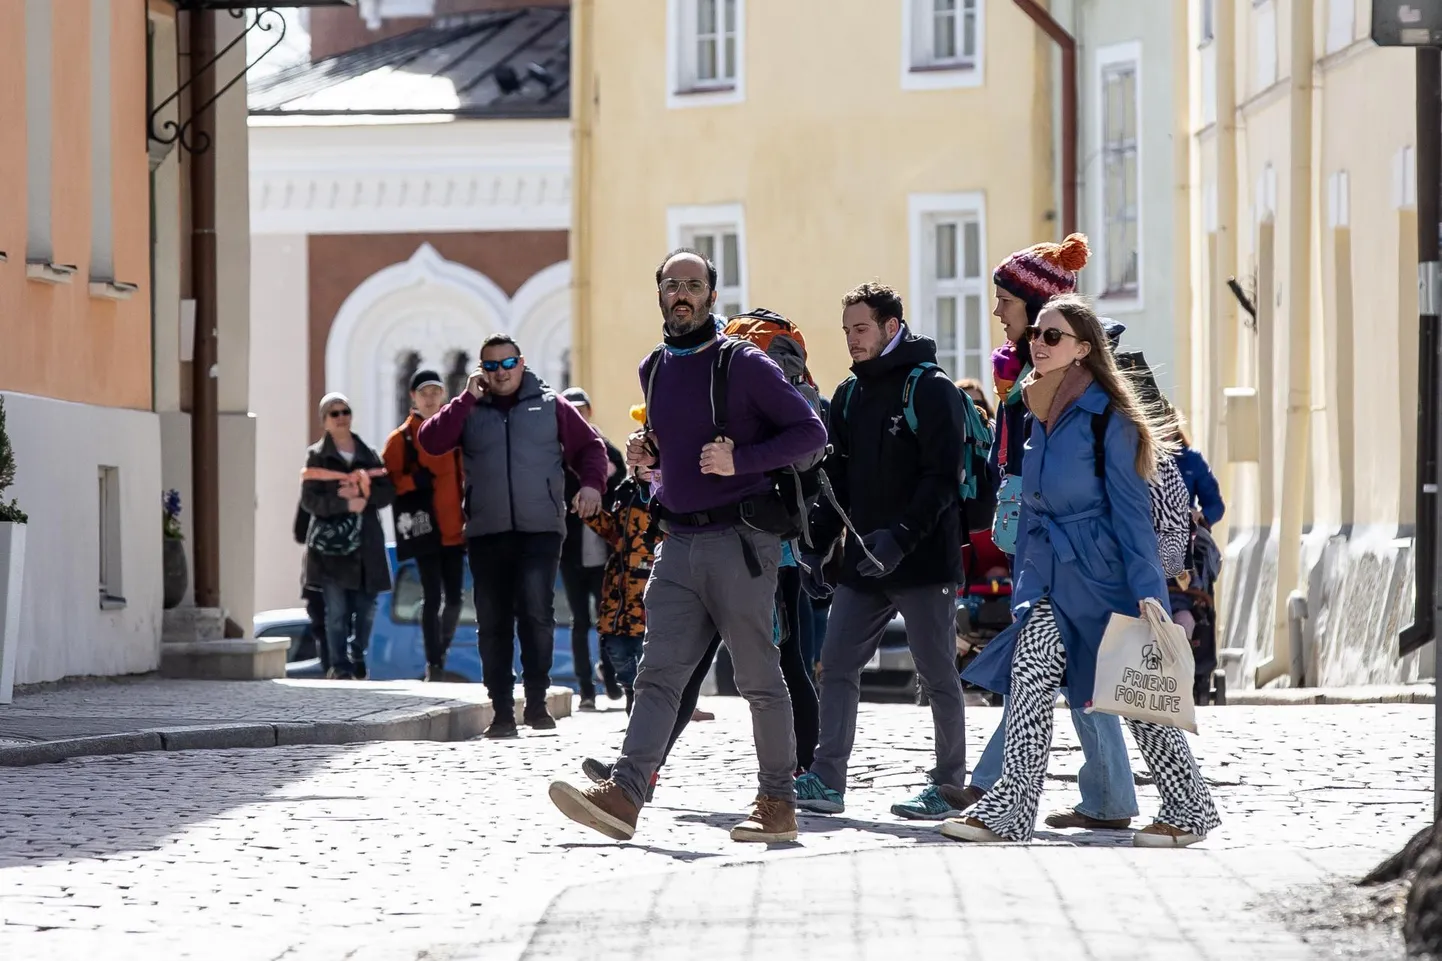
[
  {"x": 348, "y": 618},
  {"x": 1105, "y": 780},
  {"x": 624, "y": 653}
]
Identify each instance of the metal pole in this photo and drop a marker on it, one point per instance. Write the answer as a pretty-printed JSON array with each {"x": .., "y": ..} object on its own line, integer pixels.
[{"x": 204, "y": 422}]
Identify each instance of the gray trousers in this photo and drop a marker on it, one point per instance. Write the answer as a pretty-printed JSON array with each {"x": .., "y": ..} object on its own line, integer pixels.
[
  {"x": 858, "y": 620},
  {"x": 700, "y": 585}
]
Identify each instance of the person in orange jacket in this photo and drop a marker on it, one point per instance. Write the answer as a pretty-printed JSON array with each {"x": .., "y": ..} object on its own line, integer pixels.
[{"x": 430, "y": 524}]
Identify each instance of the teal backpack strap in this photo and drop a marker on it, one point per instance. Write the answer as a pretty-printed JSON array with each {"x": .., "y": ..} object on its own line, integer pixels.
[
  {"x": 848, "y": 385},
  {"x": 908, "y": 393}
]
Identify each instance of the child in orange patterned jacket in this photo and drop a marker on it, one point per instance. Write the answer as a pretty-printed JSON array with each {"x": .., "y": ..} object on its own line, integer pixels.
[{"x": 626, "y": 525}]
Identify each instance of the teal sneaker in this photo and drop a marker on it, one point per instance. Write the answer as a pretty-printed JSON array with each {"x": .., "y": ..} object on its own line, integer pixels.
[
  {"x": 812, "y": 794},
  {"x": 930, "y": 804}
]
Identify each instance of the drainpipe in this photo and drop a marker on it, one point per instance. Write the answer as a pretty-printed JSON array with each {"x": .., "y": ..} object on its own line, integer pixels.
[
  {"x": 1299, "y": 352},
  {"x": 204, "y": 422},
  {"x": 583, "y": 106},
  {"x": 1067, "y": 43}
]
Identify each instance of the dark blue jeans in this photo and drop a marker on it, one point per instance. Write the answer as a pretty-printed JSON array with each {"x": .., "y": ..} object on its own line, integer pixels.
[
  {"x": 515, "y": 584},
  {"x": 348, "y": 618}
]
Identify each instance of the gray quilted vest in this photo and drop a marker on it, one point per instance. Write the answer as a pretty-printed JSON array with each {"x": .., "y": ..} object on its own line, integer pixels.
[{"x": 514, "y": 471}]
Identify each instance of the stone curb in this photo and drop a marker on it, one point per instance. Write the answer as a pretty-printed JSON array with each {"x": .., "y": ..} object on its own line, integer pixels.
[
  {"x": 453, "y": 721},
  {"x": 1309, "y": 696}
]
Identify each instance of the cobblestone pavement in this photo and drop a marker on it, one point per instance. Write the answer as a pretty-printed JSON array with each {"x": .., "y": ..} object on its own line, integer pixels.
[{"x": 436, "y": 850}]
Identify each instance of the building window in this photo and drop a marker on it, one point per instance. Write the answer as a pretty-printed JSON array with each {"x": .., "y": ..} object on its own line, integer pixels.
[
  {"x": 942, "y": 43},
  {"x": 1121, "y": 174},
  {"x": 719, "y": 234},
  {"x": 1341, "y": 24},
  {"x": 1207, "y": 26},
  {"x": 1339, "y": 200},
  {"x": 38, "y": 71},
  {"x": 706, "y": 51},
  {"x": 949, "y": 281},
  {"x": 458, "y": 372},
  {"x": 111, "y": 595},
  {"x": 1264, "y": 36},
  {"x": 102, "y": 261},
  {"x": 407, "y": 364}
]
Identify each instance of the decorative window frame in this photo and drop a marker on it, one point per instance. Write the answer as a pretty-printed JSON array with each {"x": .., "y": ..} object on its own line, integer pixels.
[
  {"x": 682, "y": 90},
  {"x": 924, "y": 211},
  {"x": 950, "y": 75},
  {"x": 684, "y": 222},
  {"x": 1123, "y": 302}
]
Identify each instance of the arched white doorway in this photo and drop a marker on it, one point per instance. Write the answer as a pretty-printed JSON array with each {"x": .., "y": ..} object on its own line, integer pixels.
[{"x": 432, "y": 312}]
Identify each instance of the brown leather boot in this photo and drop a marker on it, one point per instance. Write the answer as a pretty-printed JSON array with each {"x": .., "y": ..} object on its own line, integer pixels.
[
  {"x": 602, "y": 807},
  {"x": 771, "y": 820},
  {"x": 1075, "y": 819}
]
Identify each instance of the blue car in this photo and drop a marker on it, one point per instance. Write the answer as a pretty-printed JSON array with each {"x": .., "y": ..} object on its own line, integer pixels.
[{"x": 397, "y": 648}]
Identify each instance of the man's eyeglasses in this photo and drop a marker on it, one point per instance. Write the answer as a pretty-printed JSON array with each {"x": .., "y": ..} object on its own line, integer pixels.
[
  {"x": 505, "y": 363},
  {"x": 672, "y": 287},
  {"x": 338, "y": 412},
  {"x": 1051, "y": 336}
]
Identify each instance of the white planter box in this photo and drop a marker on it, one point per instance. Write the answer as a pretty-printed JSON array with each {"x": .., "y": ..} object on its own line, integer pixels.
[{"x": 12, "y": 570}]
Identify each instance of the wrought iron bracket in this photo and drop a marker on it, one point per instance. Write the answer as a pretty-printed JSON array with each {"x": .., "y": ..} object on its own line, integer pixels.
[{"x": 184, "y": 132}]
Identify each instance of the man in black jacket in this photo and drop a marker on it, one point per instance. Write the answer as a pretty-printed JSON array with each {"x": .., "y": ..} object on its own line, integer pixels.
[{"x": 898, "y": 490}]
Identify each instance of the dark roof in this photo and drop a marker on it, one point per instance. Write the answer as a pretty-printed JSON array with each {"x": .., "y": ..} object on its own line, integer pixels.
[{"x": 457, "y": 65}]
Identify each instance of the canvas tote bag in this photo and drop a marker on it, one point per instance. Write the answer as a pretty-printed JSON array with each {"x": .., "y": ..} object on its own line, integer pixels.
[{"x": 1144, "y": 670}]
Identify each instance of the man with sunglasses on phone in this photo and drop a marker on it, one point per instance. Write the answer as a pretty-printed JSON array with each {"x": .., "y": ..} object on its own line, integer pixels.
[
  {"x": 717, "y": 568},
  {"x": 517, "y": 437}
]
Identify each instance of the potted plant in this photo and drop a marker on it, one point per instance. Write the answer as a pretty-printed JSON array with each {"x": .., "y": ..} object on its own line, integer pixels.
[
  {"x": 177, "y": 575},
  {"x": 12, "y": 565}
]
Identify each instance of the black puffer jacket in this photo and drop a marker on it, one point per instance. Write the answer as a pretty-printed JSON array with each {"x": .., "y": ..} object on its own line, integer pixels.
[
  {"x": 368, "y": 569},
  {"x": 887, "y": 477}
]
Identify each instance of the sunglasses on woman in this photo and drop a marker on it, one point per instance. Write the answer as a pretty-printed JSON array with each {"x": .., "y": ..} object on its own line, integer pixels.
[
  {"x": 1051, "y": 336},
  {"x": 505, "y": 363},
  {"x": 339, "y": 412}
]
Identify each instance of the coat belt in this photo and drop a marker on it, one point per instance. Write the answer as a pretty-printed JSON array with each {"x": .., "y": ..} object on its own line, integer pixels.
[{"x": 1055, "y": 529}]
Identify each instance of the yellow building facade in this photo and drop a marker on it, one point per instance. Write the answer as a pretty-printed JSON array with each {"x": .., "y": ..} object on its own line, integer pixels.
[
  {"x": 906, "y": 141},
  {"x": 1304, "y": 191}
]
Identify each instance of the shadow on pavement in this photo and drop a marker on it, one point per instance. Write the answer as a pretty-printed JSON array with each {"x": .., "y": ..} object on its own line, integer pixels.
[
  {"x": 100, "y": 808},
  {"x": 825, "y": 824}
]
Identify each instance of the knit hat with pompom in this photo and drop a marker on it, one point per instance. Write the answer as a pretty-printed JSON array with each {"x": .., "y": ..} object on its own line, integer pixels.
[{"x": 1042, "y": 271}]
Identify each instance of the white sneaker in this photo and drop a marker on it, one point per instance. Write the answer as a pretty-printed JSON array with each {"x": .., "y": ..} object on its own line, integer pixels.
[
  {"x": 1159, "y": 835},
  {"x": 970, "y": 829}
]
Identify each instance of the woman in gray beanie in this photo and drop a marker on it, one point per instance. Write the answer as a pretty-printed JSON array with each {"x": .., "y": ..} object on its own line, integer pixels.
[{"x": 343, "y": 487}]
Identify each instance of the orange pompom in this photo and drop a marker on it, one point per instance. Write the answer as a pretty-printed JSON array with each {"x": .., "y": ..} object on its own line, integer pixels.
[
  {"x": 1073, "y": 252},
  {"x": 638, "y": 413}
]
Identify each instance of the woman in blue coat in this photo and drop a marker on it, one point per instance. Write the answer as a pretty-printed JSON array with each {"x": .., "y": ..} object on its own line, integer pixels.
[{"x": 1086, "y": 550}]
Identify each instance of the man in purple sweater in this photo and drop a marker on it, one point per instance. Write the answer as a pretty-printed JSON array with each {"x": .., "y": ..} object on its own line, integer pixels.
[
  {"x": 716, "y": 570},
  {"x": 516, "y": 437}
]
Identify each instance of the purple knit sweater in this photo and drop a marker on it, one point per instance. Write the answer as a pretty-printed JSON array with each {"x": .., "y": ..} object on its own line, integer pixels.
[{"x": 771, "y": 423}]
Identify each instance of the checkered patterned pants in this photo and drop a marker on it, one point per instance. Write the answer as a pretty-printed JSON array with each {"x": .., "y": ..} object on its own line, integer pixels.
[{"x": 1010, "y": 807}]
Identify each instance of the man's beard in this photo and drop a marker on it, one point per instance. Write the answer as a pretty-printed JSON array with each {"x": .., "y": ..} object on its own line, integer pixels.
[{"x": 676, "y": 326}]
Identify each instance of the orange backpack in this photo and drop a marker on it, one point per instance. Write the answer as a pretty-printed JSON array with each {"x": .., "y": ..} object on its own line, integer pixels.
[{"x": 776, "y": 337}]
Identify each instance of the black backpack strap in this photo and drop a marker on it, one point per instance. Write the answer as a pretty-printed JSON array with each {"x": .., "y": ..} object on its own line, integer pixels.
[
  {"x": 648, "y": 371},
  {"x": 1099, "y": 439},
  {"x": 411, "y": 457},
  {"x": 720, "y": 376}
]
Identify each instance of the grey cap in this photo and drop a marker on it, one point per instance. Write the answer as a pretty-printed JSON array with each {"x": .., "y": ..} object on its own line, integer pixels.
[
  {"x": 577, "y": 396},
  {"x": 334, "y": 397}
]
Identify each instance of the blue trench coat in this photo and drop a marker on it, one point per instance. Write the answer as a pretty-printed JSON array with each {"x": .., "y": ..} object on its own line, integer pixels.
[{"x": 1087, "y": 545}]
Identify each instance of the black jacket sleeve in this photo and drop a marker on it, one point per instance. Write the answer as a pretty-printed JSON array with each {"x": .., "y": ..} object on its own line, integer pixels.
[
  {"x": 826, "y": 524},
  {"x": 940, "y": 425}
]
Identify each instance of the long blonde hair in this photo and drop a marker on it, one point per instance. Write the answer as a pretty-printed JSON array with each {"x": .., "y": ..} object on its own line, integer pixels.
[{"x": 1156, "y": 424}]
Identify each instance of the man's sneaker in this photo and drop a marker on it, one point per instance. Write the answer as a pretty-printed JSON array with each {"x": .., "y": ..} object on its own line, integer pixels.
[
  {"x": 1075, "y": 819},
  {"x": 812, "y": 794},
  {"x": 588, "y": 704},
  {"x": 598, "y": 773},
  {"x": 601, "y": 807},
  {"x": 932, "y": 803},
  {"x": 772, "y": 820},
  {"x": 541, "y": 720},
  {"x": 1159, "y": 835},
  {"x": 970, "y": 829},
  {"x": 503, "y": 726},
  {"x": 614, "y": 689},
  {"x": 601, "y": 773}
]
